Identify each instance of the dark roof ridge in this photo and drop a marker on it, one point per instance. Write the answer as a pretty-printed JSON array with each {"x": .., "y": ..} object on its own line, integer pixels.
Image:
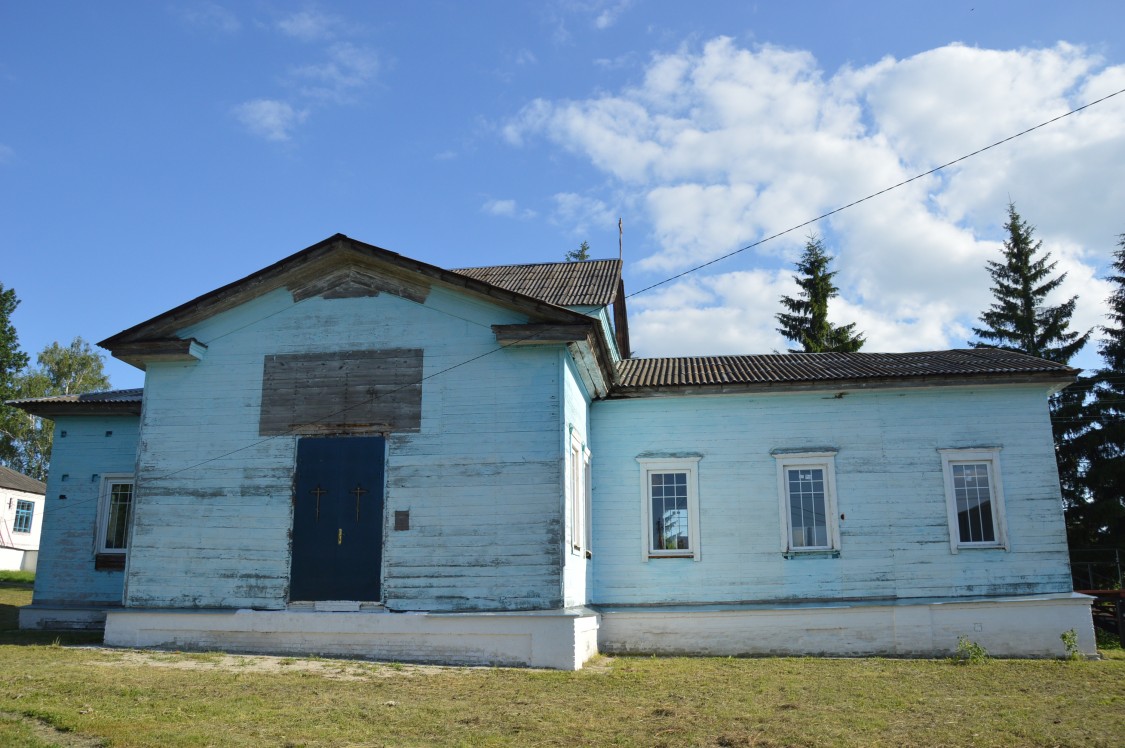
[{"x": 536, "y": 264}]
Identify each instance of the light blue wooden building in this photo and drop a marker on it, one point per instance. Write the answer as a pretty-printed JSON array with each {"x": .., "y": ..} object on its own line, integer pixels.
[{"x": 352, "y": 452}]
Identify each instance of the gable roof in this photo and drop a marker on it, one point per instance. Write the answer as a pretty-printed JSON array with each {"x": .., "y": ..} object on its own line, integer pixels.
[
  {"x": 122, "y": 402},
  {"x": 14, "y": 481},
  {"x": 588, "y": 283},
  {"x": 819, "y": 370},
  {"x": 337, "y": 264}
]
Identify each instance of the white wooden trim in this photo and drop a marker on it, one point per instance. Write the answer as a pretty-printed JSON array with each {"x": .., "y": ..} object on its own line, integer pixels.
[
  {"x": 687, "y": 465},
  {"x": 822, "y": 459},
  {"x": 577, "y": 494},
  {"x": 991, "y": 457},
  {"x": 103, "y": 510}
]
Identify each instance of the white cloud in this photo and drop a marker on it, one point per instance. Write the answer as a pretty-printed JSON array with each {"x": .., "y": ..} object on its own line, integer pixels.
[
  {"x": 209, "y": 17},
  {"x": 579, "y": 214},
  {"x": 506, "y": 209},
  {"x": 609, "y": 15},
  {"x": 347, "y": 69},
  {"x": 268, "y": 118},
  {"x": 719, "y": 146},
  {"x": 6, "y": 154},
  {"x": 310, "y": 25},
  {"x": 500, "y": 207}
]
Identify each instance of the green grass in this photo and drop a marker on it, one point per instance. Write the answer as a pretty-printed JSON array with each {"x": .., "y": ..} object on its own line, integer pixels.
[
  {"x": 17, "y": 577},
  {"x": 128, "y": 698}
]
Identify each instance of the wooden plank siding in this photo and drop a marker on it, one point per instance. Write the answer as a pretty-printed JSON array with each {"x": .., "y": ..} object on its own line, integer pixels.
[
  {"x": 479, "y": 472},
  {"x": 66, "y": 573},
  {"x": 894, "y": 538}
]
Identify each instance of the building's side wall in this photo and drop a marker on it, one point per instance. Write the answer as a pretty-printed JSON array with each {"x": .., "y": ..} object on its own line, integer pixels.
[
  {"x": 894, "y": 532},
  {"x": 93, "y": 446},
  {"x": 576, "y": 408},
  {"x": 480, "y": 478}
]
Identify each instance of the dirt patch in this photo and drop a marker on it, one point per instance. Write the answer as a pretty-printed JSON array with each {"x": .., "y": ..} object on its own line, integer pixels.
[
  {"x": 338, "y": 669},
  {"x": 50, "y": 735}
]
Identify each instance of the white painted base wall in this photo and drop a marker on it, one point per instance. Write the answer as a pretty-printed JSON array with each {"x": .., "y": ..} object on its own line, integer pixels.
[
  {"x": 1007, "y": 627},
  {"x": 562, "y": 640},
  {"x": 60, "y": 617},
  {"x": 17, "y": 559}
]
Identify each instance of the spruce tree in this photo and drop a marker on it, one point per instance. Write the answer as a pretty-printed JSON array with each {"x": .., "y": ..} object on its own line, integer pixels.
[
  {"x": 1020, "y": 319},
  {"x": 806, "y": 322},
  {"x": 579, "y": 255},
  {"x": 1098, "y": 519},
  {"x": 12, "y": 362}
]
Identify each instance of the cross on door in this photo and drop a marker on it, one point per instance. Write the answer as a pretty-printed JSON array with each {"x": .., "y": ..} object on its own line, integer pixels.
[
  {"x": 318, "y": 492},
  {"x": 358, "y": 491}
]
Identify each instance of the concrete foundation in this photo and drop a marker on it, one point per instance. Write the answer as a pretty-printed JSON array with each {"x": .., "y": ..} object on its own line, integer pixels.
[
  {"x": 1007, "y": 627},
  {"x": 560, "y": 639},
  {"x": 63, "y": 617}
]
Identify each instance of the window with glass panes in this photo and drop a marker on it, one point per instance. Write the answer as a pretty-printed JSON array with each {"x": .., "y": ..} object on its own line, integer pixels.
[
  {"x": 972, "y": 492},
  {"x": 808, "y": 523},
  {"x": 25, "y": 511},
  {"x": 670, "y": 496},
  {"x": 117, "y": 510},
  {"x": 670, "y": 522},
  {"x": 806, "y": 490},
  {"x": 974, "y": 498}
]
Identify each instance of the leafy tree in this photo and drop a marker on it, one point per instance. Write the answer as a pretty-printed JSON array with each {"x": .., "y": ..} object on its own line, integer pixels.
[
  {"x": 1097, "y": 519},
  {"x": 72, "y": 370},
  {"x": 807, "y": 322},
  {"x": 579, "y": 255},
  {"x": 1020, "y": 319}
]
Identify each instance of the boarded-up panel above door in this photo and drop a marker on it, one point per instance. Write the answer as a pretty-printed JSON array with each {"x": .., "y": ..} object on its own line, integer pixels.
[{"x": 342, "y": 392}]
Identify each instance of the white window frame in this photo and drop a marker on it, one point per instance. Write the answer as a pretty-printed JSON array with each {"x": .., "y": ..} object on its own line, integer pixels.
[
  {"x": 826, "y": 460},
  {"x": 104, "y": 495},
  {"x": 989, "y": 456},
  {"x": 690, "y": 466},
  {"x": 578, "y": 496}
]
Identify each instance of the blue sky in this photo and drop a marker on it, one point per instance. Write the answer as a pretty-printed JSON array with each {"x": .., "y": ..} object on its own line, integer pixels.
[{"x": 150, "y": 152}]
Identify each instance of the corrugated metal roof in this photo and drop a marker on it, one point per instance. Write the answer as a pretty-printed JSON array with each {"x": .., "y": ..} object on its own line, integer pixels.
[
  {"x": 108, "y": 396},
  {"x": 589, "y": 283},
  {"x": 790, "y": 368},
  {"x": 19, "y": 482}
]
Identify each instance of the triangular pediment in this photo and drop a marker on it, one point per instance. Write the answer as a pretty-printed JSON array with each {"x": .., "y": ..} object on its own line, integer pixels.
[{"x": 337, "y": 268}]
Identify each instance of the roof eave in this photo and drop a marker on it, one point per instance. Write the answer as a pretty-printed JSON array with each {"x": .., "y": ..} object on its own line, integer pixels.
[
  {"x": 52, "y": 410},
  {"x": 1053, "y": 381}
]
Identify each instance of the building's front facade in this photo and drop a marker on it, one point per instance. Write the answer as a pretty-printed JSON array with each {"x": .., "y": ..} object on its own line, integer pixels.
[{"x": 352, "y": 452}]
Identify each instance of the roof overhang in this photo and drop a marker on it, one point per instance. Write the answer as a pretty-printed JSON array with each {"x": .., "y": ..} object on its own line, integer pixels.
[
  {"x": 119, "y": 403},
  {"x": 585, "y": 341},
  {"x": 1051, "y": 382}
]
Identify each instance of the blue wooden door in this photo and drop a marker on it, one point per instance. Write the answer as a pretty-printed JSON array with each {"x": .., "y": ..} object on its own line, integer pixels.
[{"x": 338, "y": 519}]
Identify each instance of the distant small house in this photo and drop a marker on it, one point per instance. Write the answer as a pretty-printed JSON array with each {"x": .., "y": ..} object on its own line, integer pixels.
[
  {"x": 21, "y": 520},
  {"x": 353, "y": 452}
]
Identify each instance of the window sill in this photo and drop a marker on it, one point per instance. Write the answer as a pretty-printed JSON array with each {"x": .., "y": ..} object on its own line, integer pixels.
[
  {"x": 829, "y": 553},
  {"x": 983, "y": 547},
  {"x": 672, "y": 555}
]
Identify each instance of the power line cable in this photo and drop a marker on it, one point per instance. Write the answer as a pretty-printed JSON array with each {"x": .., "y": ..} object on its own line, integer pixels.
[{"x": 635, "y": 293}]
